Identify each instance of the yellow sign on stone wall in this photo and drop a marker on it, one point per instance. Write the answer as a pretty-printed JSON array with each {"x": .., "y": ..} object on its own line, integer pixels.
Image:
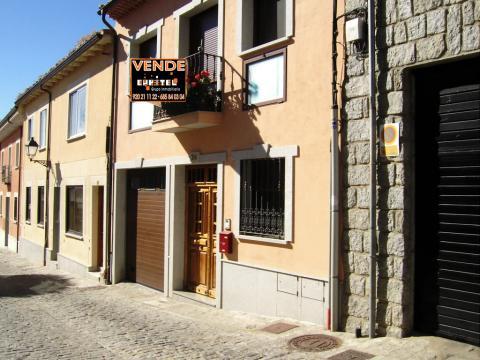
[{"x": 390, "y": 140}]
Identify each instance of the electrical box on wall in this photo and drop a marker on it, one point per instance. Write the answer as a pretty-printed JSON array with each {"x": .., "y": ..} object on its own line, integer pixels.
[{"x": 355, "y": 29}]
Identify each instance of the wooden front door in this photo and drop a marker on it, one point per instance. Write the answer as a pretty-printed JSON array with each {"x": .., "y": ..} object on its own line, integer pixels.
[{"x": 201, "y": 229}]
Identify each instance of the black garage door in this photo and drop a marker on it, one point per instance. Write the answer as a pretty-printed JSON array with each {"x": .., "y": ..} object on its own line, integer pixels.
[{"x": 448, "y": 202}]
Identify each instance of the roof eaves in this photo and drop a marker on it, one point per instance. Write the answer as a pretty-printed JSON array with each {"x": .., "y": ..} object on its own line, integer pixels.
[
  {"x": 8, "y": 116},
  {"x": 118, "y": 8},
  {"x": 71, "y": 56}
]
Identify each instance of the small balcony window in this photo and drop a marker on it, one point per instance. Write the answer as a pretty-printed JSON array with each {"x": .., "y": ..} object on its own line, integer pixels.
[
  {"x": 142, "y": 112},
  {"x": 204, "y": 87}
]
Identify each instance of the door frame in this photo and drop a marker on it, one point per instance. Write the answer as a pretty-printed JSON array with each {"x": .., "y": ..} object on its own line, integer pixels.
[
  {"x": 174, "y": 204},
  {"x": 412, "y": 73},
  {"x": 187, "y": 235},
  {"x": 176, "y": 226},
  {"x": 98, "y": 196}
]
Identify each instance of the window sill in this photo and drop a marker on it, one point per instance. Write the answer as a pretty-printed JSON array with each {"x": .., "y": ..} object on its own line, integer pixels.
[
  {"x": 256, "y": 49},
  {"x": 74, "y": 236},
  {"x": 265, "y": 103},
  {"x": 263, "y": 239},
  {"x": 41, "y": 226},
  {"x": 28, "y": 222},
  {"x": 133, "y": 131},
  {"x": 76, "y": 137},
  {"x": 42, "y": 149}
]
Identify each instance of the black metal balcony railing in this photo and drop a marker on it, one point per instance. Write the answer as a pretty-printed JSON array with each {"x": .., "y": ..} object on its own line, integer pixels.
[
  {"x": 6, "y": 174},
  {"x": 204, "y": 87}
]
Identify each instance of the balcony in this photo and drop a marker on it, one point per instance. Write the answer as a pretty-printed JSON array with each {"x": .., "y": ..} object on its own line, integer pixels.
[
  {"x": 6, "y": 174},
  {"x": 203, "y": 107}
]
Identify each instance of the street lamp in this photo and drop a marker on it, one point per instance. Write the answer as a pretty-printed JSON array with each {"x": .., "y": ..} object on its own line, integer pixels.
[{"x": 32, "y": 148}]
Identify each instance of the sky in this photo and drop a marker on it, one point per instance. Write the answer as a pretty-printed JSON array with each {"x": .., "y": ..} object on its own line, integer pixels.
[{"x": 35, "y": 35}]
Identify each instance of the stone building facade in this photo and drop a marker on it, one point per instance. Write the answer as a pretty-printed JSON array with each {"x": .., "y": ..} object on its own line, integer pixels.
[{"x": 409, "y": 34}]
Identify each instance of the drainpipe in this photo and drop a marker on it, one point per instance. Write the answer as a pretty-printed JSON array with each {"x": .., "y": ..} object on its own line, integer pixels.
[
  {"x": 373, "y": 179},
  {"x": 47, "y": 179},
  {"x": 334, "y": 186},
  {"x": 111, "y": 133},
  {"x": 20, "y": 165}
]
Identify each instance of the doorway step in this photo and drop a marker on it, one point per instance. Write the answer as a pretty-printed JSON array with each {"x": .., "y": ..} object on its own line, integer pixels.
[{"x": 192, "y": 297}]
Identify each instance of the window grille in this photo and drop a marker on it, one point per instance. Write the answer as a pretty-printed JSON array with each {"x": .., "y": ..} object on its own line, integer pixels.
[{"x": 262, "y": 197}]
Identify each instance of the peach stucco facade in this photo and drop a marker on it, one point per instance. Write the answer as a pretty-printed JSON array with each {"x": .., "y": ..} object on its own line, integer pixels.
[{"x": 301, "y": 122}]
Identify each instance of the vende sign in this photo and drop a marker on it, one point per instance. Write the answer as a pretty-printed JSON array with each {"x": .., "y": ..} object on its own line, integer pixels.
[{"x": 158, "y": 80}]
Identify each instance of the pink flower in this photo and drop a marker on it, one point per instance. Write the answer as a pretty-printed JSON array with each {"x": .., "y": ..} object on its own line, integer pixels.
[
  {"x": 197, "y": 77},
  {"x": 204, "y": 73},
  {"x": 194, "y": 84}
]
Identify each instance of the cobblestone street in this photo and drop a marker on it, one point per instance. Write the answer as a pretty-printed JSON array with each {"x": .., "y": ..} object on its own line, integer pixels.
[{"x": 47, "y": 314}]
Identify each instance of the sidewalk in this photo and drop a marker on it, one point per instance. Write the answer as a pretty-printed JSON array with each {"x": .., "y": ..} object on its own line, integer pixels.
[{"x": 50, "y": 314}]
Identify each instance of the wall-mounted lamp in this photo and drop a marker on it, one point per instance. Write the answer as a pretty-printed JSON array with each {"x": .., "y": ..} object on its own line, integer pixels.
[{"x": 32, "y": 148}]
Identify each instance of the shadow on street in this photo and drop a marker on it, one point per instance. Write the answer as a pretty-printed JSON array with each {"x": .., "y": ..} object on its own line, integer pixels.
[{"x": 31, "y": 285}]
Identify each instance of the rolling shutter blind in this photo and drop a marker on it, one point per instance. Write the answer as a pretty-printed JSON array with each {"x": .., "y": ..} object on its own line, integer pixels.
[{"x": 458, "y": 202}]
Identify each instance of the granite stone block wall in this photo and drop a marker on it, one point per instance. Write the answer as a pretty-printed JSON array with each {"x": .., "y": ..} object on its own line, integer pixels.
[{"x": 409, "y": 33}]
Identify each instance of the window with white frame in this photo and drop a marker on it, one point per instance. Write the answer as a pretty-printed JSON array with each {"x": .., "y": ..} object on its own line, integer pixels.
[
  {"x": 43, "y": 129},
  {"x": 29, "y": 128},
  {"x": 266, "y": 76},
  {"x": 40, "y": 205},
  {"x": 77, "y": 110},
  {"x": 1, "y": 205},
  {"x": 262, "y": 197},
  {"x": 9, "y": 156},
  {"x": 28, "y": 204},
  {"x": 15, "y": 208},
  {"x": 74, "y": 214},
  {"x": 264, "y": 21},
  {"x": 264, "y": 193},
  {"x": 142, "y": 112},
  {"x": 17, "y": 154}
]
